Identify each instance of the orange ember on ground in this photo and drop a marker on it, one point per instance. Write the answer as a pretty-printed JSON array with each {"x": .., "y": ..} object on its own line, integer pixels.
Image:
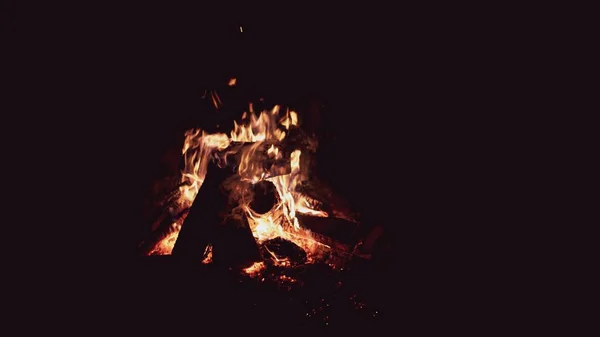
[{"x": 267, "y": 128}]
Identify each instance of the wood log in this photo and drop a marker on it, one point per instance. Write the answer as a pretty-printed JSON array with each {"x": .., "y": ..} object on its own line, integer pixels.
[
  {"x": 325, "y": 199},
  {"x": 338, "y": 229},
  {"x": 206, "y": 213},
  {"x": 234, "y": 246}
]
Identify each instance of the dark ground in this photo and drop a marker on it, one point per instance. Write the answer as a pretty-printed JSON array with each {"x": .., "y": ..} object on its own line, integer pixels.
[{"x": 407, "y": 104}]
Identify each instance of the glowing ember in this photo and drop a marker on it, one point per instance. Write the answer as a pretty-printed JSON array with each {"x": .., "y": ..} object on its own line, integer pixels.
[
  {"x": 208, "y": 255},
  {"x": 255, "y": 269},
  {"x": 286, "y": 278},
  {"x": 268, "y": 129}
]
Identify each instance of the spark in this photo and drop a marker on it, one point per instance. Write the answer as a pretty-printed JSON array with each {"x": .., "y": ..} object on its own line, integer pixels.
[{"x": 215, "y": 99}]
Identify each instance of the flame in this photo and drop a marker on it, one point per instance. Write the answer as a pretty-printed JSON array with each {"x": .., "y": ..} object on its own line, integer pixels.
[
  {"x": 197, "y": 149},
  {"x": 272, "y": 224},
  {"x": 267, "y": 130},
  {"x": 273, "y": 152}
]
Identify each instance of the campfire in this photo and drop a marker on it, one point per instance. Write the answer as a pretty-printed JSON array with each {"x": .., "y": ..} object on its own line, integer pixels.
[
  {"x": 245, "y": 201},
  {"x": 260, "y": 170}
]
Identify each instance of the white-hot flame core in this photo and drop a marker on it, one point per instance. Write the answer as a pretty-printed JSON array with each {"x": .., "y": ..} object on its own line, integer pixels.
[{"x": 281, "y": 220}]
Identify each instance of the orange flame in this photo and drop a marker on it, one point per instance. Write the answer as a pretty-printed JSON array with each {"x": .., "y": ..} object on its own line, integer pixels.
[{"x": 266, "y": 128}]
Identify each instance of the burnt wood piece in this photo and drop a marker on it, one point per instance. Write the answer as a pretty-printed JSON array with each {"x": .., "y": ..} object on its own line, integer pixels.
[
  {"x": 206, "y": 213},
  {"x": 280, "y": 249},
  {"x": 234, "y": 246},
  {"x": 341, "y": 230},
  {"x": 335, "y": 205}
]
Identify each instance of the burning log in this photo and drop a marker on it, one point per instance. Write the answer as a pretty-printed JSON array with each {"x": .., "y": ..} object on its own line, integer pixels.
[
  {"x": 267, "y": 157},
  {"x": 282, "y": 250},
  {"x": 336, "y": 206},
  {"x": 163, "y": 228},
  {"x": 206, "y": 213},
  {"x": 274, "y": 156}
]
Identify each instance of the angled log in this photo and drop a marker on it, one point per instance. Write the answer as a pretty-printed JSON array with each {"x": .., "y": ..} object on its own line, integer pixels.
[
  {"x": 207, "y": 210},
  {"x": 234, "y": 246},
  {"x": 340, "y": 230}
]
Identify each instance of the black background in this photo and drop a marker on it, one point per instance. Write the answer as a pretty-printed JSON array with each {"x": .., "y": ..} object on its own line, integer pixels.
[{"x": 424, "y": 88}]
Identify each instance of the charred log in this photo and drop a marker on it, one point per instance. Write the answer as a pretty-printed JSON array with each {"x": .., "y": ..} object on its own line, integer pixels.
[
  {"x": 234, "y": 245},
  {"x": 206, "y": 213},
  {"x": 341, "y": 230}
]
